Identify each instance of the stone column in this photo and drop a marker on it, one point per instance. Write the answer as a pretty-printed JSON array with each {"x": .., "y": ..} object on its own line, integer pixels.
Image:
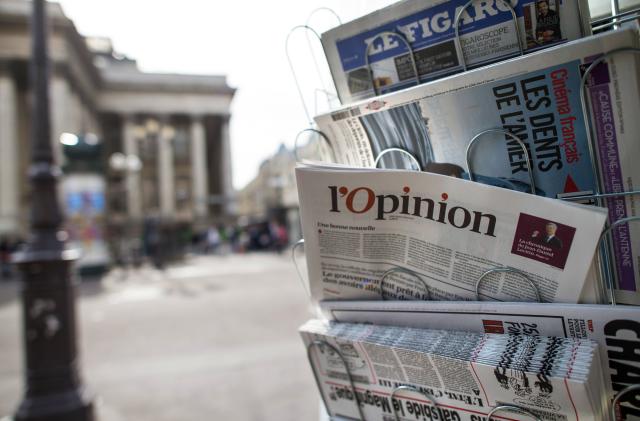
[
  {"x": 60, "y": 110},
  {"x": 199, "y": 174},
  {"x": 90, "y": 120},
  {"x": 132, "y": 178},
  {"x": 225, "y": 167},
  {"x": 166, "y": 179},
  {"x": 9, "y": 167},
  {"x": 75, "y": 113}
]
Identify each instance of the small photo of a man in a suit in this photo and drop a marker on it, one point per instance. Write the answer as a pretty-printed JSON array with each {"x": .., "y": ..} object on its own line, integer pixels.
[
  {"x": 549, "y": 239},
  {"x": 547, "y": 23}
]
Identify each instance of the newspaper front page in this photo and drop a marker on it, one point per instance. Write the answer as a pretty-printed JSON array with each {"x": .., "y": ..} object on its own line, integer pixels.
[
  {"x": 616, "y": 329},
  {"x": 438, "y": 235},
  {"x": 487, "y": 34},
  {"x": 535, "y": 97}
]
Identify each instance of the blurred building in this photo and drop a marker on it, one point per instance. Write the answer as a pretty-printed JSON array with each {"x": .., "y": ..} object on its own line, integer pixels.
[
  {"x": 272, "y": 194},
  {"x": 164, "y": 138}
]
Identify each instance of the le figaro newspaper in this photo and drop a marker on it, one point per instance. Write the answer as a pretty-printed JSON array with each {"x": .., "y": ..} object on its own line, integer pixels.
[
  {"x": 488, "y": 33},
  {"x": 438, "y": 235},
  {"x": 535, "y": 97}
]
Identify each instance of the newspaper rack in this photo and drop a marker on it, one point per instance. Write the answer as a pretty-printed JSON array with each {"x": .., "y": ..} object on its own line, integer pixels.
[
  {"x": 508, "y": 270},
  {"x": 406, "y": 271},
  {"x": 458, "y": 44},
  {"x": 456, "y": 26},
  {"x": 319, "y": 344},
  {"x": 324, "y": 137},
  {"x": 513, "y": 137},
  {"x": 491, "y": 271},
  {"x": 398, "y": 269},
  {"x": 616, "y": 400},
  {"x": 313, "y": 56},
  {"x": 325, "y": 9},
  {"x": 294, "y": 74},
  {"x": 367, "y": 53},
  {"x": 409, "y": 155},
  {"x": 513, "y": 409},
  {"x": 606, "y": 267},
  {"x": 305, "y": 285},
  {"x": 587, "y": 116},
  {"x": 614, "y": 20},
  {"x": 309, "y": 29},
  {"x": 412, "y": 389}
]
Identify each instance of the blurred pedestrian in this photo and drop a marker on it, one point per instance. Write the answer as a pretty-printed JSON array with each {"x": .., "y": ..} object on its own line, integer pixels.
[
  {"x": 5, "y": 259},
  {"x": 213, "y": 239},
  {"x": 153, "y": 242},
  {"x": 283, "y": 237},
  {"x": 244, "y": 240},
  {"x": 279, "y": 236}
]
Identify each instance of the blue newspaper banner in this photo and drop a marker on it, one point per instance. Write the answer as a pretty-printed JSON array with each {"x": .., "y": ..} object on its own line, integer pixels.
[{"x": 424, "y": 29}]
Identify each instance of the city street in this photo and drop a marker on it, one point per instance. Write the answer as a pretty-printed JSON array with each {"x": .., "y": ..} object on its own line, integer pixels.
[{"x": 214, "y": 338}]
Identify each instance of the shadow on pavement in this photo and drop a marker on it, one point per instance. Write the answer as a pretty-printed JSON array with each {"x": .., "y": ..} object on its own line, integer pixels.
[
  {"x": 9, "y": 291},
  {"x": 87, "y": 287},
  {"x": 90, "y": 286}
]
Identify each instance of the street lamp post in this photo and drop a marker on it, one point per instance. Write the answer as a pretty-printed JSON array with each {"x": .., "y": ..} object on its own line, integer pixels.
[{"x": 54, "y": 391}]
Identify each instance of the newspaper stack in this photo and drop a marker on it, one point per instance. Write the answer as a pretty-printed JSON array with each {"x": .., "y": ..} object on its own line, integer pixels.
[
  {"x": 458, "y": 375},
  {"x": 615, "y": 328}
]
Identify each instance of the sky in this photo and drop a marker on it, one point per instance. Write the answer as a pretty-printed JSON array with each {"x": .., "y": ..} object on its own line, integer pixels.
[{"x": 244, "y": 40}]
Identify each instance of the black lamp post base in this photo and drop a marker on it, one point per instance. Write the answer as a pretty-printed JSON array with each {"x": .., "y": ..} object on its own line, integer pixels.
[
  {"x": 54, "y": 391},
  {"x": 73, "y": 405}
]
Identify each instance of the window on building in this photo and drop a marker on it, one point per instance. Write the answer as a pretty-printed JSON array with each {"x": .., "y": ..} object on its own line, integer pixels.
[{"x": 181, "y": 147}]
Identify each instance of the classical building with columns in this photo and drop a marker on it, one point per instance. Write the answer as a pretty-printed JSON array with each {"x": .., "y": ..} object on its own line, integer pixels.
[{"x": 164, "y": 138}]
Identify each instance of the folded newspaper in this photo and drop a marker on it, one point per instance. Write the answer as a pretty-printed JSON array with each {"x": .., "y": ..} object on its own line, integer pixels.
[
  {"x": 616, "y": 329},
  {"x": 487, "y": 34},
  {"x": 395, "y": 233},
  {"x": 535, "y": 97},
  {"x": 452, "y": 375}
]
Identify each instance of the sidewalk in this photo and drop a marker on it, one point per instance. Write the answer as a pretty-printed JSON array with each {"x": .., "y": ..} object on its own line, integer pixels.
[{"x": 209, "y": 340}]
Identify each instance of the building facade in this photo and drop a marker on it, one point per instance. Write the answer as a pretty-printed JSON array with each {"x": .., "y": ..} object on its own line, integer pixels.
[
  {"x": 273, "y": 194},
  {"x": 164, "y": 138}
]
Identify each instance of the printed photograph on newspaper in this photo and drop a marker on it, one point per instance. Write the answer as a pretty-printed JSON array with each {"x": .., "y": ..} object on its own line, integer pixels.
[{"x": 373, "y": 234}]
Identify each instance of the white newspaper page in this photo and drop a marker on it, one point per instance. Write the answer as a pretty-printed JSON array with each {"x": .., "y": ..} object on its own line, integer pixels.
[
  {"x": 487, "y": 34},
  {"x": 446, "y": 366},
  {"x": 537, "y": 98},
  {"x": 438, "y": 235},
  {"x": 616, "y": 329}
]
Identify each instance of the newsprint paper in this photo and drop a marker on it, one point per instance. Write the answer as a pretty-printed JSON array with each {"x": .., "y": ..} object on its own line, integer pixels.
[
  {"x": 465, "y": 374},
  {"x": 616, "y": 329},
  {"x": 443, "y": 233},
  {"x": 535, "y": 97},
  {"x": 487, "y": 34}
]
